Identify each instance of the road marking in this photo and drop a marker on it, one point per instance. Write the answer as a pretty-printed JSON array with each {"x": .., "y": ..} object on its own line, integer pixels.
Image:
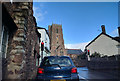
[{"x": 83, "y": 78}]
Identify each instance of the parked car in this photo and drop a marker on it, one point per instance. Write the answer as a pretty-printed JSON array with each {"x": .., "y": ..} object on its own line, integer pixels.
[{"x": 57, "y": 68}]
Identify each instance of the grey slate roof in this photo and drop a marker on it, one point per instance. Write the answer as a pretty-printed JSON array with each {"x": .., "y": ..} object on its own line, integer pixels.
[{"x": 74, "y": 51}]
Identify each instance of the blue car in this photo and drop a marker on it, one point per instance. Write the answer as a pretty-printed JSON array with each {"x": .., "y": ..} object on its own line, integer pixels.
[{"x": 57, "y": 68}]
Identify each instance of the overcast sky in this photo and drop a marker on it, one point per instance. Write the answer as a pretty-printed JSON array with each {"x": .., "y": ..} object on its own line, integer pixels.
[{"x": 81, "y": 21}]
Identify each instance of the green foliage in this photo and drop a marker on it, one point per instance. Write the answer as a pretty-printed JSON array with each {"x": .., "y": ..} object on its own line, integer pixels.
[
  {"x": 82, "y": 56},
  {"x": 95, "y": 55}
]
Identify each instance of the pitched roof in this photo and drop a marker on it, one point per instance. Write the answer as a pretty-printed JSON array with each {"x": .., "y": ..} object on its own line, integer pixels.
[
  {"x": 74, "y": 51},
  {"x": 114, "y": 38},
  {"x": 44, "y": 29},
  {"x": 117, "y": 38}
]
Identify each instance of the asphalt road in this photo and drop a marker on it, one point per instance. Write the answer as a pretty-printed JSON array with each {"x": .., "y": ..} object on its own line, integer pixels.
[{"x": 86, "y": 74}]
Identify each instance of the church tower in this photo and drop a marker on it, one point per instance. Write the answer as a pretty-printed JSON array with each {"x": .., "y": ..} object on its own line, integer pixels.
[{"x": 56, "y": 40}]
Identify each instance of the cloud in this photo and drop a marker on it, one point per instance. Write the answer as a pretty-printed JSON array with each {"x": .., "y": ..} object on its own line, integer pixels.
[
  {"x": 82, "y": 45},
  {"x": 39, "y": 13},
  {"x": 114, "y": 33},
  {"x": 76, "y": 46}
]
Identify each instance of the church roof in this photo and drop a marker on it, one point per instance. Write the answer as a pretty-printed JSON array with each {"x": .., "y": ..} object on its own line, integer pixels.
[{"x": 74, "y": 51}]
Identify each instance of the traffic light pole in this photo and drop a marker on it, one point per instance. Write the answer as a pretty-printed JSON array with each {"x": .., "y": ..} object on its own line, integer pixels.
[
  {"x": 42, "y": 49},
  {"x": 88, "y": 54},
  {"x": 41, "y": 55}
]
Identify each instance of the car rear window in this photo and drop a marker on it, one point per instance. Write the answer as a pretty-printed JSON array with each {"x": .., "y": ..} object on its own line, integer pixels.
[{"x": 61, "y": 61}]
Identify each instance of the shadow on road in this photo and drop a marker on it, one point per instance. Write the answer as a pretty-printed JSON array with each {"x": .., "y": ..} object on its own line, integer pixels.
[{"x": 86, "y": 74}]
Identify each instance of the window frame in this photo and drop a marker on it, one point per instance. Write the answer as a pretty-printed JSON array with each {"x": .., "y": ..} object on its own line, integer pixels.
[{"x": 5, "y": 33}]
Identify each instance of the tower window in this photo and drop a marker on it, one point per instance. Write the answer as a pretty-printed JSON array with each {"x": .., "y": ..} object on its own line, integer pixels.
[
  {"x": 56, "y": 30},
  {"x": 57, "y": 37}
]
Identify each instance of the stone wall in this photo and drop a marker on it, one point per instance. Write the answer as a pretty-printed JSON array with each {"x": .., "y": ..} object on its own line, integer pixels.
[
  {"x": 0, "y": 42},
  {"x": 21, "y": 55},
  {"x": 104, "y": 63},
  {"x": 73, "y": 56},
  {"x": 80, "y": 62}
]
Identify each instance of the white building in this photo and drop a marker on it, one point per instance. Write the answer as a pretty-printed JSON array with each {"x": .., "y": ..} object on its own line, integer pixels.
[
  {"x": 105, "y": 44},
  {"x": 46, "y": 40}
]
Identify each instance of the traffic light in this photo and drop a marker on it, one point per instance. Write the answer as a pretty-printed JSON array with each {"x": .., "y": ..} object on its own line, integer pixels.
[
  {"x": 42, "y": 46},
  {"x": 88, "y": 52}
]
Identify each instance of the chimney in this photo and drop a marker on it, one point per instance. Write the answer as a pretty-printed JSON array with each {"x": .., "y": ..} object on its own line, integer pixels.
[
  {"x": 119, "y": 31},
  {"x": 103, "y": 29}
]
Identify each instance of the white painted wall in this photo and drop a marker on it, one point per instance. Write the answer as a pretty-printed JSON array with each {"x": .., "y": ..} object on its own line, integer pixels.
[
  {"x": 46, "y": 40},
  {"x": 119, "y": 48},
  {"x": 104, "y": 45}
]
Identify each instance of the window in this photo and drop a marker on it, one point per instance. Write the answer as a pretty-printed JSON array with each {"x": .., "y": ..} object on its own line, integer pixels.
[
  {"x": 56, "y": 30},
  {"x": 4, "y": 39},
  {"x": 61, "y": 61},
  {"x": 61, "y": 52},
  {"x": 57, "y": 37}
]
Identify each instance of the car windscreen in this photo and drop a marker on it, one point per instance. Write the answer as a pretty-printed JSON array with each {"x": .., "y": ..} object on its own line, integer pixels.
[{"x": 60, "y": 61}]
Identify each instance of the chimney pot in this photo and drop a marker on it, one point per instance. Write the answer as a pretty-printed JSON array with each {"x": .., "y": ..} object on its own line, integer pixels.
[
  {"x": 103, "y": 29},
  {"x": 119, "y": 31}
]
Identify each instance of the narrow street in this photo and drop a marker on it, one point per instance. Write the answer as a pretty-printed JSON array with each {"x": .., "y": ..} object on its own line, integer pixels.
[
  {"x": 60, "y": 35},
  {"x": 102, "y": 75}
]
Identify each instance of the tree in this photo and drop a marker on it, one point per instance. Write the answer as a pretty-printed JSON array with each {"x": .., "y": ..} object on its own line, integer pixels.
[{"x": 95, "y": 54}]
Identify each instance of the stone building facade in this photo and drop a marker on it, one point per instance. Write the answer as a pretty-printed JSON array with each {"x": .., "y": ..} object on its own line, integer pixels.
[
  {"x": 78, "y": 57},
  {"x": 56, "y": 40},
  {"x": 22, "y": 41}
]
